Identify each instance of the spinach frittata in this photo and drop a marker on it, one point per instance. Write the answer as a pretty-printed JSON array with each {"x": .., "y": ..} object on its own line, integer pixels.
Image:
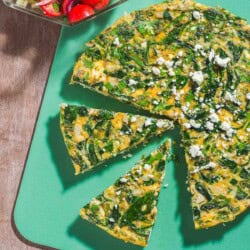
[
  {"x": 93, "y": 136},
  {"x": 190, "y": 63},
  {"x": 127, "y": 209}
]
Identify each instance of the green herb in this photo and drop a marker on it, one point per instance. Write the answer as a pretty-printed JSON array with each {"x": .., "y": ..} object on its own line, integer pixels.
[
  {"x": 91, "y": 154},
  {"x": 218, "y": 202},
  {"x": 241, "y": 195},
  {"x": 136, "y": 211},
  {"x": 88, "y": 64},
  {"x": 228, "y": 163},
  {"x": 202, "y": 190},
  {"x": 167, "y": 15},
  {"x": 236, "y": 50}
]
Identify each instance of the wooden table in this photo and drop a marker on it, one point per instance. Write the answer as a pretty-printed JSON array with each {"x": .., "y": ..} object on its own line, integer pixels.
[{"x": 27, "y": 46}]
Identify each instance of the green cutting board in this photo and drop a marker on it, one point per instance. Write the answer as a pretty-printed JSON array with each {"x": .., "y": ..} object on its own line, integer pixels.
[{"x": 50, "y": 196}]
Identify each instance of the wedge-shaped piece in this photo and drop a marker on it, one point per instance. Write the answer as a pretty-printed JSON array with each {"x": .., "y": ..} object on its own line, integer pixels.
[
  {"x": 93, "y": 136},
  {"x": 218, "y": 159},
  {"x": 127, "y": 209}
]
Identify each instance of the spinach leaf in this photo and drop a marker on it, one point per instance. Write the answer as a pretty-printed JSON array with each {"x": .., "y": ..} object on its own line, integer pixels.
[
  {"x": 236, "y": 50},
  {"x": 202, "y": 190},
  {"x": 141, "y": 207},
  {"x": 167, "y": 15},
  {"x": 228, "y": 163}
]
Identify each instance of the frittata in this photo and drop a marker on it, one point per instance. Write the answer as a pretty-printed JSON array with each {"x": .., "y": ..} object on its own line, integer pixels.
[
  {"x": 127, "y": 209},
  {"x": 93, "y": 136},
  {"x": 190, "y": 63}
]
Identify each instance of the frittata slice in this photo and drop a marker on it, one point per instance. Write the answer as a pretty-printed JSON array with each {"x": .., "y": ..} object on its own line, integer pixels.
[
  {"x": 154, "y": 58},
  {"x": 127, "y": 209},
  {"x": 93, "y": 136},
  {"x": 217, "y": 147}
]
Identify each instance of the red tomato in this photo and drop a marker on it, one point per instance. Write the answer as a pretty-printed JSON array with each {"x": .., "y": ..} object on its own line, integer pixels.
[
  {"x": 90, "y": 2},
  {"x": 101, "y": 4},
  {"x": 67, "y": 6},
  {"x": 80, "y": 12},
  {"x": 52, "y": 9}
]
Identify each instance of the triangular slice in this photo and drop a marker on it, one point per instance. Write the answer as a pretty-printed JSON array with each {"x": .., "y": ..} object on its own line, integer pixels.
[
  {"x": 93, "y": 136},
  {"x": 218, "y": 160},
  {"x": 127, "y": 209}
]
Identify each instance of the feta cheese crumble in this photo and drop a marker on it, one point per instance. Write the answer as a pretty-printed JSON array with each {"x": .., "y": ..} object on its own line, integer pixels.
[
  {"x": 160, "y": 61},
  {"x": 214, "y": 118},
  {"x": 156, "y": 71},
  {"x": 116, "y": 41},
  {"x": 133, "y": 119},
  {"x": 123, "y": 180},
  {"x": 147, "y": 166},
  {"x": 132, "y": 82},
  {"x": 209, "y": 125},
  {"x": 148, "y": 122},
  {"x": 195, "y": 151},
  {"x": 197, "y": 77},
  {"x": 211, "y": 55},
  {"x": 248, "y": 96},
  {"x": 222, "y": 62},
  {"x": 196, "y": 15},
  {"x": 161, "y": 124}
]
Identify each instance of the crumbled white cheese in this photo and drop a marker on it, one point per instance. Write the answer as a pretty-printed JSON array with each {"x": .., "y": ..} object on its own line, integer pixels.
[
  {"x": 222, "y": 62},
  {"x": 112, "y": 220},
  {"x": 180, "y": 53},
  {"x": 248, "y": 130},
  {"x": 156, "y": 71},
  {"x": 148, "y": 122},
  {"x": 171, "y": 72},
  {"x": 211, "y": 55},
  {"x": 174, "y": 90},
  {"x": 225, "y": 126},
  {"x": 116, "y": 41},
  {"x": 195, "y": 151},
  {"x": 194, "y": 124},
  {"x": 248, "y": 96},
  {"x": 197, "y": 77},
  {"x": 230, "y": 132},
  {"x": 169, "y": 64},
  {"x": 133, "y": 119},
  {"x": 187, "y": 125},
  {"x": 150, "y": 84},
  {"x": 162, "y": 124},
  {"x": 118, "y": 192},
  {"x": 196, "y": 15},
  {"x": 63, "y": 105},
  {"x": 123, "y": 180},
  {"x": 160, "y": 61},
  {"x": 144, "y": 45},
  {"x": 147, "y": 166},
  {"x": 184, "y": 108},
  {"x": 132, "y": 82},
  {"x": 150, "y": 176},
  {"x": 155, "y": 102},
  {"x": 209, "y": 165},
  {"x": 209, "y": 125},
  {"x": 214, "y": 118},
  {"x": 198, "y": 47}
]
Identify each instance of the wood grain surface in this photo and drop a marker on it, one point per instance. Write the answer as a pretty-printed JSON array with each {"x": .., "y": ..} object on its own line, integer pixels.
[{"x": 27, "y": 46}]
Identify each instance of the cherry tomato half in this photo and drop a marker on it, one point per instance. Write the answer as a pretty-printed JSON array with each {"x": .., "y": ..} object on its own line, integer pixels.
[
  {"x": 101, "y": 4},
  {"x": 80, "y": 12},
  {"x": 52, "y": 9},
  {"x": 90, "y": 2}
]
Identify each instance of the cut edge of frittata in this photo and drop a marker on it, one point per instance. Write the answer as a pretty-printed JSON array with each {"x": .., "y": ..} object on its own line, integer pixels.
[
  {"x": 93, "y": 136},
  {"x": 133, "y": 196}
]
